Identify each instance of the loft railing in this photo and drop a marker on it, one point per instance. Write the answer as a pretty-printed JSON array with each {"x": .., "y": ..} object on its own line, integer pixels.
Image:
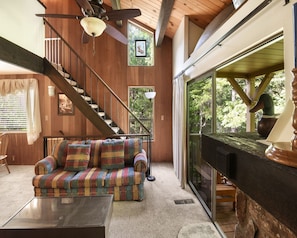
[{"x": 64, "y": 57}]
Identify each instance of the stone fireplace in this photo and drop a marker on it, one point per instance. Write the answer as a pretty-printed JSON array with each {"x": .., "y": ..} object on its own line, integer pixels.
[
  {"x": 266, "y": 191},
  {"x": 255, "y": 221}
]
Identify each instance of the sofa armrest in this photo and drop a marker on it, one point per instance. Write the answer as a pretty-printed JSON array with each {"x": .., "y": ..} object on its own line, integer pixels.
[
  {"x": 140, "y": 162},
  {"x": 46, "y": 165}
]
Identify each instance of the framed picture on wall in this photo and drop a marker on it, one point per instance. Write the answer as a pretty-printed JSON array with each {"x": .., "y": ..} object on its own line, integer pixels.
[
  {"x": 140, "y": 48},
  {"x": 65, "y": 105}
]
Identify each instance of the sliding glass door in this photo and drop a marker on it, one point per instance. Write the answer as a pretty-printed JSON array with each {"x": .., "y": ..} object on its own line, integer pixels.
[{"x": 200, "y": 120}]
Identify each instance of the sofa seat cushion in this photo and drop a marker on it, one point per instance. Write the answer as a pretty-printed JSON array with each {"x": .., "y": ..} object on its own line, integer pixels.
[
  {"x": 59, "y": 178},
  {"x": 123, "y": 177},
  {"x": 90, "y": 178}
]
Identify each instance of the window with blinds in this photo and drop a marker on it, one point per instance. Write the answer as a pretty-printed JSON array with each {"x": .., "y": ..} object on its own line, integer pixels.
[{"x": 13, "y": 112}]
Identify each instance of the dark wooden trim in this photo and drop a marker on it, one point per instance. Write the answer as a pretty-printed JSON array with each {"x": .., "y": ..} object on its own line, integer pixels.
[
  {"x": 14, "y": 54},
  {"x": 42, "y": 4}
]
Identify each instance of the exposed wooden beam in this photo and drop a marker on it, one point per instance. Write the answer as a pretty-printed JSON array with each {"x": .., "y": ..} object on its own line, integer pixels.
[
  {"x": 14, "y": 54},
  {"x": 263, "y": 85},
  {"x": 116, "y": 5},
  {"x": 164, "y": 16},
  {"x": 240, "y": 91}
]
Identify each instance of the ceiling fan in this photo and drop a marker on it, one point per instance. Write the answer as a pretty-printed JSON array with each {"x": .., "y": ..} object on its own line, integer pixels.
[{"x": 94, "y": 18}]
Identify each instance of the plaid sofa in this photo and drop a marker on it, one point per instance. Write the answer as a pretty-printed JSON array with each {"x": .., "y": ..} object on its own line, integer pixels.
[{"x": 91, "y": 168}]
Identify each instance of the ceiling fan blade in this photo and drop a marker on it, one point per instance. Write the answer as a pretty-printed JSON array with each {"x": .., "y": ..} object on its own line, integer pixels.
[
  {"x": 84, "y": 4},
  {"x": 60, "y": 16},
  {"x": 113, "y": 32},
  {"x": 85, "y": 38},
  {"x": 122, "y": 14}
]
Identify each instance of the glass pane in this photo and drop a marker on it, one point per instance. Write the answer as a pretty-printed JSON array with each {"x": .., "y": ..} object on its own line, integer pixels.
[
  {"x": 13, "y": 116},
  {"x": 199, "y": 121},
  {"x": 142, "y": 108},
  {"x": 230, "y": 109},
  {"x": 140, "y": 46}
]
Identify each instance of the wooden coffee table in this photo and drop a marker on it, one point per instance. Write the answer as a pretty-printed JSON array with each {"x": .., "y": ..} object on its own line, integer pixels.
[{"x": 61, "y": 217}]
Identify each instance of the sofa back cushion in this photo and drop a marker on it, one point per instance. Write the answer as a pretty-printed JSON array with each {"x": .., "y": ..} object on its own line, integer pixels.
[
  {"x": 60, "y": 152},
  {"x": 95, "y": 156},
  {"x": 132, "y": 147},
  {"x": 61, "y": 149},
  {"x": 112, "y": 154}
]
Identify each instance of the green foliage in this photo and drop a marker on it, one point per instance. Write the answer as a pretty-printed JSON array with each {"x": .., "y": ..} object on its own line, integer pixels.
[
  {"x": 199, "y": 106},
  {"x": 137, "y": 33},
  {"x": 231, "y": 112},
  {"x": 230, "y": 109},
  {"x": 142, "y": 108}
]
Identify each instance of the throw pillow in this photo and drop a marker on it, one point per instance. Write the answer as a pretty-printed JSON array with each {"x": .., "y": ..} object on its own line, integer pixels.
[
  {"x": 78, "y": 156},
  {"x": 112, "y": 154}
]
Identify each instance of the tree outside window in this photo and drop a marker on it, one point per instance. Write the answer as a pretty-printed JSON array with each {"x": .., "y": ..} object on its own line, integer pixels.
[
  {"x": 142, "y": 108},
  {"x": 140, "y": 46}
]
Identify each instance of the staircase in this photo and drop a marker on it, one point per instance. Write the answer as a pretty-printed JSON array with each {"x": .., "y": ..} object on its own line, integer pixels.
[
  {"x": 91, "y": 95},
  {"x": 82, "y": 100},
  {"x": 85, "y": 88}
]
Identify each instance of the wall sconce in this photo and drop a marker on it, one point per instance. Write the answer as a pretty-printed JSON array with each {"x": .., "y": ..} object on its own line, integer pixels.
[{"x": 51, "y": 90}]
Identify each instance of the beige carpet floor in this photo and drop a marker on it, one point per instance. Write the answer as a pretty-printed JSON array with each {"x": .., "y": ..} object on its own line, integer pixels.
[{"x": 157, "y": 216}]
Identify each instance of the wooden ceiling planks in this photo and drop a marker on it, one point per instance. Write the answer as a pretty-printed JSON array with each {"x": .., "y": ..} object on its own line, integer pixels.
[{"x": 201, "y": 12}]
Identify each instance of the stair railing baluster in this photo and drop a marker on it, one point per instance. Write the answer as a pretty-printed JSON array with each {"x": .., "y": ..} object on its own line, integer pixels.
[
  {"x": 97, "y": 95},
  {"x": 104, "y": 104}
]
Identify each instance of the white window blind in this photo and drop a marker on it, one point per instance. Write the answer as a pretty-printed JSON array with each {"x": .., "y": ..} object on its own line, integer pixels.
[{"x": 13, "y": 112}]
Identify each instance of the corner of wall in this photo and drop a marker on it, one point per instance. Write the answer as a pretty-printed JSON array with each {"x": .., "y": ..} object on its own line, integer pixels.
[{"x": 25, "y": 30}]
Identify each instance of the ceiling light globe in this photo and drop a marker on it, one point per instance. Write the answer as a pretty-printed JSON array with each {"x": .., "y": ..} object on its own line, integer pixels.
[{"x": 93, "y": 26}]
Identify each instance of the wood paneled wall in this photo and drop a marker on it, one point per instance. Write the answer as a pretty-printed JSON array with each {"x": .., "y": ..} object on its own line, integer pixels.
[{"x": 110, "y": 62}]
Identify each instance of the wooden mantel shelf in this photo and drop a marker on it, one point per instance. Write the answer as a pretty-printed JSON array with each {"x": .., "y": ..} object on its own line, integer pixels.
[{"x": 242, "y": 159}]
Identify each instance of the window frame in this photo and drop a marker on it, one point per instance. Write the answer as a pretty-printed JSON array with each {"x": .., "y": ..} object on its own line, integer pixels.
[
  {"x": 147, "y": 101},
  {"x": 146, "y": 59}
]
